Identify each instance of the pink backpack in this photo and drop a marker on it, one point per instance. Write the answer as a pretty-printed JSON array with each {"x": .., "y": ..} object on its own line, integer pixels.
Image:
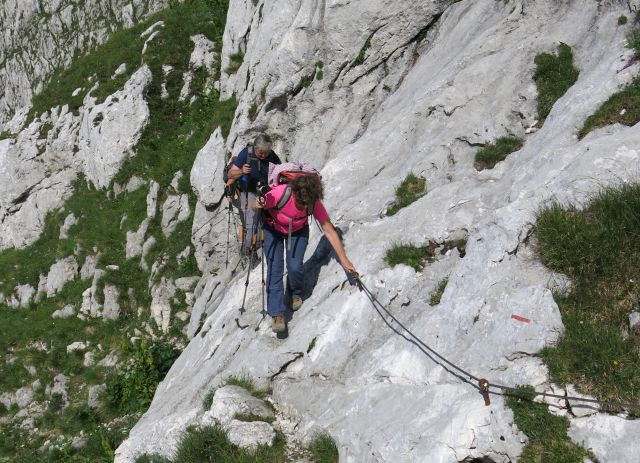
[{"x": 284, "y": 173}]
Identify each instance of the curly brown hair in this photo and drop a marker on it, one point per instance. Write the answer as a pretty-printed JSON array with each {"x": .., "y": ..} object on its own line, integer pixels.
[{"x": 307, "y": 190}]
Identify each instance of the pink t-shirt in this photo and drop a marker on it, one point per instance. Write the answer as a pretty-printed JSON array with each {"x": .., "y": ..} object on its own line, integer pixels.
[{"x": 280, "y": 220}]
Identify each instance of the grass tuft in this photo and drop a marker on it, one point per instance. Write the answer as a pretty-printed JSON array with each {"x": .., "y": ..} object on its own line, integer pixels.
[
  {"x": 211, "y": 444},
  {"x": 622, "y": 20},
  {"x": 248, "y": 384},
  {"x": 599, "y": 249},
  {"x": 415, "y": 257},
  {"x": 235, "y": 61},
  {"x": 411, "y": 189},
  {"x": 547, "y": 433},
  {"x": 362, "y": 53},
  {"x": 436, "y": 296},
  {"x": 554, "y": 75},
  {"x": 491, "y": 154},
  {"x": 324, "y": 449}
]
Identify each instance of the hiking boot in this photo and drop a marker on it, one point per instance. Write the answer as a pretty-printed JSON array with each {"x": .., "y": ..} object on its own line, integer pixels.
[
  {"x": 296, "y": 303},
  {"x": 278, "y": 325}
]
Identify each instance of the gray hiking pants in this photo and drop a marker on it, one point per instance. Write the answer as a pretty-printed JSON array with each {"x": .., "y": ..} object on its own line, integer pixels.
[{"x": 248, "y": 217}]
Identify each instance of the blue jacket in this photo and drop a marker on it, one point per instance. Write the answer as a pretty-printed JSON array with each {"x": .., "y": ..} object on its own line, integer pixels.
[{"x": 259, "y": 169}]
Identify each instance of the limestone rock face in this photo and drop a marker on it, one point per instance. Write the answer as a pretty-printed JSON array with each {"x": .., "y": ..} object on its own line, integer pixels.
[
  {"x": 44, "y": 158},
  {"x": 61, "y": 273},
  {"x": 405, "y": 98},
  {"x": 174, "y": 210},
  {"x": 161, "y": 294},
  {"x": 110, "y": 130},
  {"x": 229, "y": 401},
  {"x": 36, "y": 41}
]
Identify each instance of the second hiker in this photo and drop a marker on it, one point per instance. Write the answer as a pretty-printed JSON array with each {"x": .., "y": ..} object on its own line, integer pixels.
[
  {"x": 286, "y": 211},
  {"x": 250, "y": 169}
]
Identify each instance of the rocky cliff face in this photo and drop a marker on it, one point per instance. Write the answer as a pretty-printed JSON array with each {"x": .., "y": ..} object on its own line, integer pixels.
[
  {"x": 368, "y": 91},
  {"x": 371, "y": 91},
  {"x": 41, "y": 37}
]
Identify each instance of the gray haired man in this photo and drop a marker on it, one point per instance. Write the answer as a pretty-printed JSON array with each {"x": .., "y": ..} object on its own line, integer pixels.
[{"x": 250, "y": 169}]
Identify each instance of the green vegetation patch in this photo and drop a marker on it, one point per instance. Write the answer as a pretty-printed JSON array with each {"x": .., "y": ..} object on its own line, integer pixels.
[
  {"x": 410, "y": 189},
  {"x": 599, "y": 249},
  {"x": 622, "y": 107},
  {"x": 415, "y": 257},
  {"x": 248, "y": 384},
  {"x": 324, "y": 449},
  {"x": 493, "y": 153},
  {"x": 176, "y": 131},
  {"x": 235, "y": 61},
  {"x": 554, "y": 75},
  {"x": 362, "y": 53},
  {"x": 130, "y": 388},
  {"x": 211, "y": 444},
  {"x": 547, "y": 433},
  {"x": 435, "y": 297}
]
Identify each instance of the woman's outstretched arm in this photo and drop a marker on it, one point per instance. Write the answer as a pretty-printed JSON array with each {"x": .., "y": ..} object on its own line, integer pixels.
[{"x": 332, "y": 235}]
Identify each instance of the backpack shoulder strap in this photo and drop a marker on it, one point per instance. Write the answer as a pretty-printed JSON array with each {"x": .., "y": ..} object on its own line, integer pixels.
[{"x": 284, "y": 199}]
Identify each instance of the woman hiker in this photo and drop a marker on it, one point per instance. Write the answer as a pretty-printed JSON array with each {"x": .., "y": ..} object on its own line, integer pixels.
[{"x": 287, "y": 225}]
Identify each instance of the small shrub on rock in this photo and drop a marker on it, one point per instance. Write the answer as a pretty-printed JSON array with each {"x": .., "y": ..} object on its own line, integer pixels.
[
  {"x": 235, "y": 61},
  {"x": 436, "y": 296},
  {"x": 554, "y": 75},
  {"x": 411, "y": 189},
  {"x": 324, "y": 449},
  {"x": 131, "y": 388},
  {"x": 414, "y": 256},
  {"x": 493, "y": 153}
]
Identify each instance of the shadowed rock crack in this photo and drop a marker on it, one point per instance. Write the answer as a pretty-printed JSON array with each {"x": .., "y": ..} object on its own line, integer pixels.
[{"x": 296, "y": 356}]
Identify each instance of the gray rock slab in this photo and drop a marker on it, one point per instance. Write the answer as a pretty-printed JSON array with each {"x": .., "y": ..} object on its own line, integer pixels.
[
  {"x": 175, "y": 209},
  {"x": 250, "y": 435},
  {"x": 229, "y": 401},
  {"x": 95, "y": 392},
  {"x": 111, "y": 308},
  {"x": 60, "y": 273},
  {"x": 161, "y": 295},
  {"x": 187, "y": 283},
  {"x": 67, "y": 311},
  {"x": 69, "y": 222}
]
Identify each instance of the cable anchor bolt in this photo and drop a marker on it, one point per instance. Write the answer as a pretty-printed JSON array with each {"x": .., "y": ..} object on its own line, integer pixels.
[{"x": 484, "y": 390}]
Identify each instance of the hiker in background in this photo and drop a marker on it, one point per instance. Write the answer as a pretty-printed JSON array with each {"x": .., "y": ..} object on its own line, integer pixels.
[
  {"x": 288, "y": 223},
  {"x": 250, "y": 169}
]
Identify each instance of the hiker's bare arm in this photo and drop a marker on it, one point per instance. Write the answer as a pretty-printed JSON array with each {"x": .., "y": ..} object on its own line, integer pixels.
[
  {"x": 332, "y": 235},
  {"x": 235, "y": 172}
]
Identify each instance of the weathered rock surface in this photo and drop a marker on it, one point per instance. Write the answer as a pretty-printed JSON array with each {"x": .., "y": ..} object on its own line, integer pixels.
[
  {"x": 250, "y": 435},
  {"x": 110, "y": 130},
  {"x": 44, "y": 158},
  {"x": 135, "y": 240},
  {"x": 111, "y": 308},
  {"x": 60, "y": 274},
  {"x": 161, "y": 295},
  {"x": 229, "y": 401},
  {"x": 36, "y": 40},
  {"x": 67, "y": 311},
  {"x": 429, "y": 90},
  {"x": 174, "y": 210},
  {"x": 69, "y": 222}
]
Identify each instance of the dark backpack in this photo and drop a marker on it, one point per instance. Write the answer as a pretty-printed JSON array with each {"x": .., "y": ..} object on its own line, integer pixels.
[{"x": 225, "y": 171}]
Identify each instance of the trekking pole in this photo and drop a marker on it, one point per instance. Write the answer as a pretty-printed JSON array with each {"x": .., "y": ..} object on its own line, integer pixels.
[
  {"x": 246, "y": 284},
  {"x": 226, "y": 264},
  {"x": 264, "y": 312}
]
